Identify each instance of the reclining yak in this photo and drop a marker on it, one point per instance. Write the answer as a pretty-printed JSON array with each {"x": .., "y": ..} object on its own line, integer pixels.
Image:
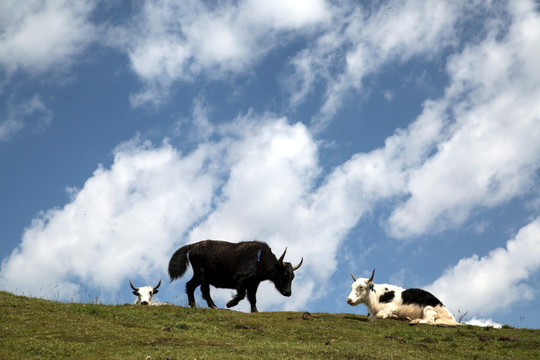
[
  {"x": 389, "y": 301},
  {"x": 240, "y": 266},
  {"x": 145, "y": 293}
]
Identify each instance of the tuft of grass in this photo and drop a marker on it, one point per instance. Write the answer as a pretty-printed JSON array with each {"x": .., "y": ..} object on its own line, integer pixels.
[{"x": 39, "y": 329}]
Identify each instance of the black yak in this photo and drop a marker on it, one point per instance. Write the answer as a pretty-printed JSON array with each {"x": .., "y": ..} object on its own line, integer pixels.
[{"x": 240, "y": 266}]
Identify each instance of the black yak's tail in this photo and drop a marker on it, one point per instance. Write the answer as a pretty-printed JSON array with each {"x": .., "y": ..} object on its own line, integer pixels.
[{"x": 179, "y": 262}]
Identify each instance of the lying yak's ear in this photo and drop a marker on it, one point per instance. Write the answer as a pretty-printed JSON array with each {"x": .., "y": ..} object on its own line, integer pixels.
[
  {"x": 135, "y": 292},
  {"x": 155, "y": 291}
]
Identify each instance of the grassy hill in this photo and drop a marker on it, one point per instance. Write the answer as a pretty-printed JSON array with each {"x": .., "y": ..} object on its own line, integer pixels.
[{"x": 39, "y": 329}]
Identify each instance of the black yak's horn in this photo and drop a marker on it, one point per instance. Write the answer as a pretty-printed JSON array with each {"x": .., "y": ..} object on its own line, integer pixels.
[
  {"x": 133, "y": 287},
  {"x": 298, "y": 266},
  {"x": 282, "y": 256},
  {"x": 159, "y": 283}
]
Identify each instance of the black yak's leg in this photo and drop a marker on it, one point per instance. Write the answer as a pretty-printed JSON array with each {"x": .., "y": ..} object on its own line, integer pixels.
[
  {"x": 240, "y": 294},
  {"x": 251, "y": 294},
  {"x": 205, "y": 289},
  {"x": 191, "y": 285}
]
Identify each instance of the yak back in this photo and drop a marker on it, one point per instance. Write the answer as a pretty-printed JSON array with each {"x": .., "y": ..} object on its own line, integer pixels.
[
  {"x": 224, "y": 264},
  {"x": 419, "y": 297}
]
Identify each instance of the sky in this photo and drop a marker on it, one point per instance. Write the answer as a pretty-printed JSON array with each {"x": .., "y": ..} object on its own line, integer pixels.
[{"x": 401, "y": 136}]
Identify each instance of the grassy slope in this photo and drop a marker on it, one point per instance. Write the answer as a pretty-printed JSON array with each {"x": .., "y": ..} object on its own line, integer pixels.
[{"x": 39, "y": 329}]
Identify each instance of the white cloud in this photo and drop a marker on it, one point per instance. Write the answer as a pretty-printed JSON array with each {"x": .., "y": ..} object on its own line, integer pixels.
[
  {"x": 491, "y": 152},
  {"x": 167, "y": 42},
  {"x": 257, "y": 181},
  {"x": 123, "y": 222},
  {"x": 363, "y": 41},
  {"x": 39, "y": 36},
  {"x": 484, "y": 323},
  {"x": 254, "y": 182},
  {"x": 271, "y": 170},
  {"x": 388, "y": 95},
  {"x": 283, "y": 14},
  {"x": 368, "y": 178},
  {"x": 483, "y": 285},
  {"x": 20, "y": 114}
]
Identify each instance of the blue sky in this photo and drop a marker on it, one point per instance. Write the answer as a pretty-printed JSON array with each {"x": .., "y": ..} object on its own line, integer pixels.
[{"x": 402, "y": 136}]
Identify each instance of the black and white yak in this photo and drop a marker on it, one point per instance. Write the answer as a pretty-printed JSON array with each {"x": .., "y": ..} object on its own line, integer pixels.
[
  {"x": 145, "y": 294},
  {"x": 240, "y": 266},
  {"x": 389, "y": 301}
]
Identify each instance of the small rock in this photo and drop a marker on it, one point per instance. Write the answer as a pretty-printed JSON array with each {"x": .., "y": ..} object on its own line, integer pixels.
[{"x": 308, "y": 316}]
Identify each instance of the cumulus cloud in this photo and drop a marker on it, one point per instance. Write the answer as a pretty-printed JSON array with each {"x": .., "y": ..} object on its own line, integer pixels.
[
  {"x": 39, "y": 36},
  {"x": 483, "y": 285},
  {"x": 256, "y": 180},
  {"x": 252, "y": 183},
  {"x": 122, "y": 222}
]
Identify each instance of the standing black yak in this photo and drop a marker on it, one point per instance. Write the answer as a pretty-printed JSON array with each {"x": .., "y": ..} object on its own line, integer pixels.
[{"x": 240, "y": 266}]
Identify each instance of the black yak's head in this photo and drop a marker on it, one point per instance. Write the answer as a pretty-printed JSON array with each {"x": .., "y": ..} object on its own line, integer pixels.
[{"x": 284, "y": 275}]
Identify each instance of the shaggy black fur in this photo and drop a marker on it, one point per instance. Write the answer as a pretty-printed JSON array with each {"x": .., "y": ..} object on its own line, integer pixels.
[
  {"x": 240, "y": 266},
  {"x": 419, "y": 297}
]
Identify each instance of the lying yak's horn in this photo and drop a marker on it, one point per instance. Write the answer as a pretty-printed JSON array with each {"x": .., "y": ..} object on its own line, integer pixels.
[
  {"x": 283, "y": 256},
  {"x": 372, "y": 275},
  {"x": 133, "y": 287},
  {"x": 159, "y": 283},
  {"x": 353, "y": 276},
  {"x": 298, "y": 266}
]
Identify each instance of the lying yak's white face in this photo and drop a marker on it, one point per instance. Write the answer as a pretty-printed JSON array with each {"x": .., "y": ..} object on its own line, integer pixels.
[
  {"x": 144, "y": 293},
  {"x": 360, "y": 290}
]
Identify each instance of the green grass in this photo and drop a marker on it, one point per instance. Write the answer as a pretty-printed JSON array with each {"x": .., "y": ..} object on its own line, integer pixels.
[{"x": 39, "y": 329}]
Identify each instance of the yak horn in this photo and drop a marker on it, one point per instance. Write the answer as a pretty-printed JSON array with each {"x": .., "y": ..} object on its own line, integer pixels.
[
  {"x": 372, "y": 275},
  {"x": 353, "y": 276},
  {"x": 133, "y": 287},
  {"x": 159, "y": 283},
  {"x": 283, "y": 256},
  {"x": 298, "y": 266}
]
